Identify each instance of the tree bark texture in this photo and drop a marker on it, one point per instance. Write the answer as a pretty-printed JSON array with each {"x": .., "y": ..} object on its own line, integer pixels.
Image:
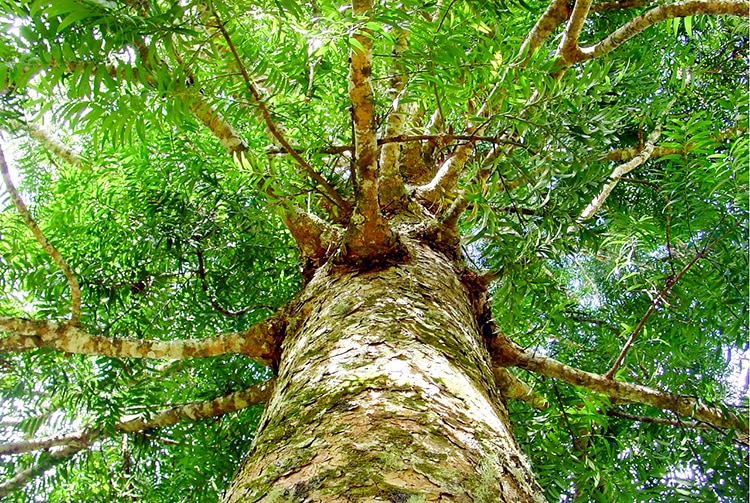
[{"x": 385, "y": 393}]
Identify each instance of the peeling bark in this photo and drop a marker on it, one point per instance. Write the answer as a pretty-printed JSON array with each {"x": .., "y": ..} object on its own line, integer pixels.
[{"x": 385, "y": 392}]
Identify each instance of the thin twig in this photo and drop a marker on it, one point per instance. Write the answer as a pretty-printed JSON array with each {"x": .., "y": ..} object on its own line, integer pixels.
[
  {"x": 75, "y": 289},
  {"x": 670, "y": 282},
  {"x": 204, "y": 287},
  {"x": 328, "y": 190}
]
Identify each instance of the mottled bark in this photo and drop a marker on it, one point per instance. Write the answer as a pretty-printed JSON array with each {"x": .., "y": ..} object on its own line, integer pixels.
[
  {"x": 70, "y": 445},
  {"x": 260, "y": 342},
  {"x": 620, "y": 171},
  {"x": 505, "y": 353},
  {"x": 368, "y": 235},
  {"x": 657, "y": 15},
  {"x": 385, "y": 393},
  {"x": 556, "y": 14}
]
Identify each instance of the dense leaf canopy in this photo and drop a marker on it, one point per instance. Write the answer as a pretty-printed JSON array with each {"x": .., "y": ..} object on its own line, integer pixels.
[{"x": 174, "y": 232}]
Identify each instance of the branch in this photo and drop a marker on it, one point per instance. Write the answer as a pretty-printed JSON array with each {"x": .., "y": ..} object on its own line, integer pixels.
[
  {"x": 671, "y": 281},
  {"x": 618, "y": 5},
  {"x": 657, "y": 15},
  {"x": 512, "y": 387},
  {"x": 569, "y": 49},
  {"x": 294, "y": 218},
  {"x": 75, "y": 289},
  {"x": 195, "y": 411},
  {"x": 45, "y": 444},
  {"x": 443, "y": 230},
  {"x": 21, "y": 478},
  {"x": 260, "y": 342},
  {"x": 254, "y": 395},
  {"x": 50, "y": 142},
  {"x": 447, "y": 176},
  {"x": 405, "y": 138},
  {"x": 328, "y": 190},
  {"x": 368, "y": 233},
  {"x": 391, "y": 185},
  {"x": 618, "y": 173},
  {"x": 628, "y": 153},
  {"x": 363, "y": 115},
  {"x": 657, "y": 420},
  {"x": 215, "y": 122},
  {"x": 557, "y": 13},
  {"x": 315, "y": 237},
  {"x": 629, "y": 392},
  {"x": 741, "y": 439}
]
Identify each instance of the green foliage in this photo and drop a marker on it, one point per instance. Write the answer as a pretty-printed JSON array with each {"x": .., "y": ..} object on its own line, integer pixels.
[{"x": 156, "y": 194}]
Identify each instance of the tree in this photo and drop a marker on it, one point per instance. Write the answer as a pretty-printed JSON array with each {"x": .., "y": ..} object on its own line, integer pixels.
[{"x": 441, "y": 251}]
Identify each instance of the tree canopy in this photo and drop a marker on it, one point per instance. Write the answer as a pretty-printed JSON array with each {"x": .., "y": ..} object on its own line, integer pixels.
[{"x": 168, "y": 158}]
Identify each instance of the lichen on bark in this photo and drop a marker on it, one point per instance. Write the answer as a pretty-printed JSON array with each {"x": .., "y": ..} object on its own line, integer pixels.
[{"x": 385, "y": 391}]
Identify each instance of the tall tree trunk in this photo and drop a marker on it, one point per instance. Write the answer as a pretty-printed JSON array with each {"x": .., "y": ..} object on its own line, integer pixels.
[{"x": 385, "y": 393}]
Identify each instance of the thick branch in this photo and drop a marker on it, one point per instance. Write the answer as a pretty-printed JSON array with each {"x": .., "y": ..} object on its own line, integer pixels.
[
  {"x": 446, "y": 178},
  {"x": 657, "y": 15},
  {"x": 49, "y": 142},
  {"x": 629, "y": 392},
  {"x": 45, "y": 444},
  {"x": 391, "y": 184},
  {"x": 513, "y": 388},
  {"x": 195, "y": 411},
  {"x": 368, "y": 234},
  {"x": 75, "y": 289},
  {"x": 21, "y": 478},
  {"x": 363, "y": 116},
  {"x": 556, "y": 14},
  {"x": 260, "y": 342},
  {"x": 568, "y": 49},
  {"x": 315, "y": 237},
  {"x": 215, "y": 122},
  {"x": 75, "y": 443},
  {"x": 447, "y": 175}
]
